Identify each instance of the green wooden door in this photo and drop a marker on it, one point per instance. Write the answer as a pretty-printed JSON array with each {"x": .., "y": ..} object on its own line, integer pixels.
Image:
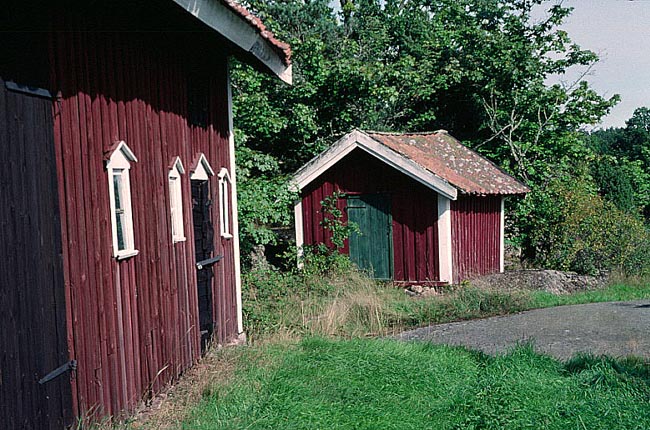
[{"x": 371, "y": 249}]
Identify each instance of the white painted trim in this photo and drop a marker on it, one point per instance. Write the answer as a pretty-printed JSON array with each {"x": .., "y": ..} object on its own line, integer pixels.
[
  {"x": 235, "y": 216},
  {"x": 225, "y": 203},
  {"x": 444, "y": 239},
  {"x": 300, "y": 232},
  {"x": 202, "y": 170},
  {"x": 358, "y": 139},
  {"x": 236, "y": 29},
  {"x": 502, "y": 235},
  {"x": 177, "y": 220},
  {"x": 121, "y": 159}
]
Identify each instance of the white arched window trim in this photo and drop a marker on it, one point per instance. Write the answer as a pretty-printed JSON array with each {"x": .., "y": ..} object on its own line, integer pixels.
[
  {"x": 225, "y": 189},
  {"x": 176, "y": 200},
  {"x": 119, "y": 192}
]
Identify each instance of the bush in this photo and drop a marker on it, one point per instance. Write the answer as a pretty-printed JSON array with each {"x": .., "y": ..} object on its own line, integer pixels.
[{"x": 570, "y": 227}]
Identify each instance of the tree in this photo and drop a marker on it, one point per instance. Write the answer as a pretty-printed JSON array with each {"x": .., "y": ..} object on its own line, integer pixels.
[{"x": 474, "y": 67}]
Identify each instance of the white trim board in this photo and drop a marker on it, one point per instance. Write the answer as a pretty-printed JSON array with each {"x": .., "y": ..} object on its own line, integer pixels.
[
  {"x": 237, "y": 30},
  {"x": 358, "y": 139},
  {"x": 235, "y": 214},
  {"x": 444, "y": 240}
]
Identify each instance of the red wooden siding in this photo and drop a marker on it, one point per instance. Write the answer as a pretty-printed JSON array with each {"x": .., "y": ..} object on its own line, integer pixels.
[
  {"x": 414, "y": 211},
  {"x": 133, "y": 324},
  {"x": 475, "y": 236}
]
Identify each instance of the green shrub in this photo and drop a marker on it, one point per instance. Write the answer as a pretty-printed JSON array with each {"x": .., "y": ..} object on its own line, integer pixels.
[{"x": 568, "y": 226}]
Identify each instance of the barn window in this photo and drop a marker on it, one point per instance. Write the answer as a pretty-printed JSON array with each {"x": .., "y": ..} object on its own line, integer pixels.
[
  {"x": 224, "y": 202},
  {"x": 176, "y": 200},
  {"x": 119, "y": 192}
]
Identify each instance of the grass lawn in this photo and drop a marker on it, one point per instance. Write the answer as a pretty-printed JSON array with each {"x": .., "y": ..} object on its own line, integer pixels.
[{"x": 386, "y": 384}]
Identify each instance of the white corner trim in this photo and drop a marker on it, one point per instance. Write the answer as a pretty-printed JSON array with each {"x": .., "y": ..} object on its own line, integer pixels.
[
  {"x": 300, "y": 238},
  {"x": 358, "y": 139},
  {"x": 235, "y": 216},
  {"x": 502, "y": 235},
  {"x": 444, "y": 239},
  {"x": 241, "y": 33},
  {"x": 202, "y": 171}
]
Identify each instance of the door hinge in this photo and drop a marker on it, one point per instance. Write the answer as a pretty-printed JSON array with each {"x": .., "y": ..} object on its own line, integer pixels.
[
  {"x": 70, "y": 365},
  {"x": 209, "y": 262}
]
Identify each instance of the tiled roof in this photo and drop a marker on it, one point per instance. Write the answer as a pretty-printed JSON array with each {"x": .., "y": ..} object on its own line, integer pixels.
[
  {"x": 446, "y": 157},
  {"x": 283, "y": 49}
]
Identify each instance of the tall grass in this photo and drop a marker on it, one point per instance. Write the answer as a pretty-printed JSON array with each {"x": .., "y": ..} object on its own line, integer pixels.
[{"x": 343, "y": 302}]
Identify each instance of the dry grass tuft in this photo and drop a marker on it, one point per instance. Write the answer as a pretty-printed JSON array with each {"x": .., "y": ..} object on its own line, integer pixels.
[{"x": 169, "y": 408}]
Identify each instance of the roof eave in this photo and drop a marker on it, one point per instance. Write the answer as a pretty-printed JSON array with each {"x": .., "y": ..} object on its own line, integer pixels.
[
  {"x": 358, "y": 139},
  {"x": 242, "y": 34}
]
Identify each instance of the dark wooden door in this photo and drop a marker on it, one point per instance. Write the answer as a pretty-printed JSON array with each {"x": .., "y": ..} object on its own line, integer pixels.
[
  {"x": 33, "y": 338},
  {"x": 371, "y": 247},
  {"x": 204, "y": 248}
]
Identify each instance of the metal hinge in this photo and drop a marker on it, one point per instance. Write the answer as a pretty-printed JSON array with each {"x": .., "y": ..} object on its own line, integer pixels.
[
  {"x": 70, "y": 365},
  {"x": 209, "y": 262}
]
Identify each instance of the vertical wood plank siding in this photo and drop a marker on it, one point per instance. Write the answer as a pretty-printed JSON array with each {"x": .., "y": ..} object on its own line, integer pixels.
[
  {"x": 414, "y": 211},
  {"x": 133, "y": 324},
  {"x": 475, "y": 230},
  {"x": 32, "y": 320}
]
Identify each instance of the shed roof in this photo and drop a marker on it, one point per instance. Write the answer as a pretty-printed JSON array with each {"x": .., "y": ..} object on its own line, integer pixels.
[
  {"x": 436, "y": 159},
  {"x": 444, "y": 155}
]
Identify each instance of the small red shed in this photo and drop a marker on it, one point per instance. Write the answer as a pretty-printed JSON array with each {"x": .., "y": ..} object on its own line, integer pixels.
[
  {"x": 119, "y": 256},
  {"x": 429, "y": 209}
]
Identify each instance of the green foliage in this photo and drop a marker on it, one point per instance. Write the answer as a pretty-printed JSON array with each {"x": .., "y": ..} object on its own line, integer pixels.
[
  {"x": 474, "y": 68},
  {"x": 567, "y": 226},
  {"x": 388, "y": 384},
  {"x": 622, "y": 167},
  {"x": 265, "y": 199}
]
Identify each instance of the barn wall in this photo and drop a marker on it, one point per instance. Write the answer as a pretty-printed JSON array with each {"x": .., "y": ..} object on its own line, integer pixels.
[
  {"x": 32, "y": 320},
  {"x": 133, "y": 324},
  {"x": 475, "y": 236},
  {"x": 414, "y": 211}
]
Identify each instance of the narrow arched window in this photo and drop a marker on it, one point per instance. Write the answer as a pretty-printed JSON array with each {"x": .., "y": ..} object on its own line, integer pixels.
[
  {"x": 224, "y": 203},
  {"x": 176, "y": 200},
  {"x": 119, "y": 192}
]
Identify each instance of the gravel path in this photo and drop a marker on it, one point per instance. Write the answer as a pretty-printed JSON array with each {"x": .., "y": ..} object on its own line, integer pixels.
[{"x": 615, "y": 329}]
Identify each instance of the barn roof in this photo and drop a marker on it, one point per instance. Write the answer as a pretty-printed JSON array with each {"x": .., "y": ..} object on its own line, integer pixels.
[
  {"x": 437, "y": 160},
  {"x": 245, "y": 30}
]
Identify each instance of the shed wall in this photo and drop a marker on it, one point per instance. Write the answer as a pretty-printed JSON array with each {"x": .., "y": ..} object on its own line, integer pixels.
[
  {"x": 133, "y": 324},
  {"x": 414, "y": 212},
  {"x": 475, "y": 236}
]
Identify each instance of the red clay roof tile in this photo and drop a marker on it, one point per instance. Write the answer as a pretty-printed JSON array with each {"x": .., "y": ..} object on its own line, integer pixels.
[
  {"x": 446, "y": 157},
  {"x": 283, "y": 49}
]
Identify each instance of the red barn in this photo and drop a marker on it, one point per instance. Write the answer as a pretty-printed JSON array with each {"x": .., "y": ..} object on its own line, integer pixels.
[
  {"x": 429, "y": 209},
  {"x": 119, "y": 257}
]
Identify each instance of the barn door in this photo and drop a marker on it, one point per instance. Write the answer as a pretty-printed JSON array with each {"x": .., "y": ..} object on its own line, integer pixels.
[
  {"x": 35, "y": 388},
  {"x": 371, "y": 248},
  {"x": 204, "y": 246}
]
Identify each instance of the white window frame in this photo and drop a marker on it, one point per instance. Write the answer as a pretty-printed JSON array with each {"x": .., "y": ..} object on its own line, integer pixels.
[
  {"x": 202, "y": 169},
  {"x": 119, "y": 165},
  {"x": 176, "y": 200},
  {"x": 225, "y": 190}
]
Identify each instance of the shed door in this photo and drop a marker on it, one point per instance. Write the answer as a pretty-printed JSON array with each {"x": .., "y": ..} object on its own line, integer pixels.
[
  {"x": 203, "y": 246},
  {"x": 371, "y": 249}
]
